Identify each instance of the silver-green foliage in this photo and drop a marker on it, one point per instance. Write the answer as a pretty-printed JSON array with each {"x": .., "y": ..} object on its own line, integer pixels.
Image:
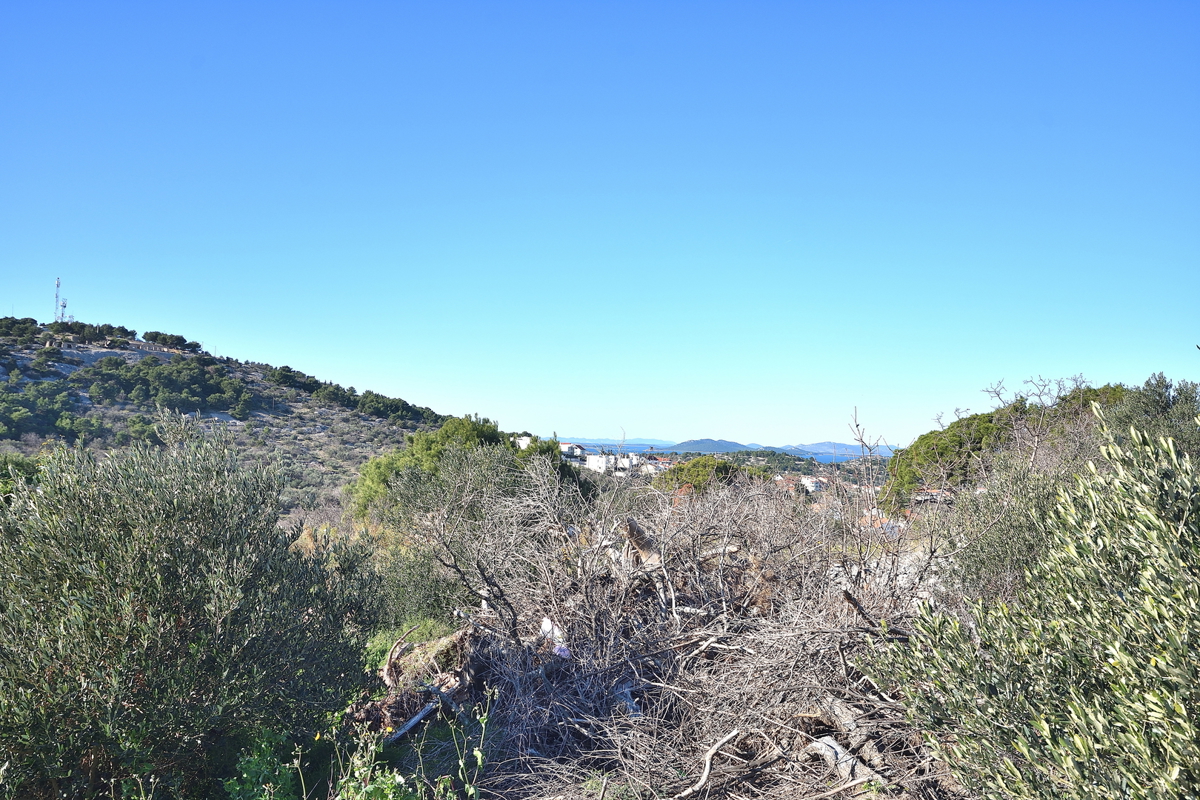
[
  {"x": 996, "y": 533},
  {"x": 1086, "y": 687},
  {"x": 151, "y": 609}
]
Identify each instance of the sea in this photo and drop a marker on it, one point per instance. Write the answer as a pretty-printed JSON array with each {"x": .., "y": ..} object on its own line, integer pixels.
[{"x": 596, "y": 447}]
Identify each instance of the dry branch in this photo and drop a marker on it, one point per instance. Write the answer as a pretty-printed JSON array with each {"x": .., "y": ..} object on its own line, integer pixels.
[
  {"x": 708, "y": 757},
  {"x": 742, "y": 612}
]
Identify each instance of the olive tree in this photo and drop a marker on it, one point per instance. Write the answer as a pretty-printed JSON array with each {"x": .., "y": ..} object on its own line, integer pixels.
[
  {"x": 1086, "y": 685},
  {"x": 151, "y": 611}
]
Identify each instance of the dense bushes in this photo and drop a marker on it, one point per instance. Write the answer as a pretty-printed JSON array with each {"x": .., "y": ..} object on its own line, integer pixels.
[
  {"x": 424, "y": 511},
  {"x": 1160, "y": 407},
  {"x": 172, "y": 340},
  {"x": 151, "y": 613},
  {"x": 88, "y": 334},
  {"x": 1087, "y": 687},
  {"x": 24, "y": 330},
  {"x": 701, "y": 472},
  {"x": 950, "y": 456},
  {"x": 997, "y": 488},
  {"x": 51, "y": 407},
  {"x": 423, "y": 451},
  {"x": 40, "y": 407},
  {"x": 370, "y": 403},
  {"x": 199, "y": 383}
]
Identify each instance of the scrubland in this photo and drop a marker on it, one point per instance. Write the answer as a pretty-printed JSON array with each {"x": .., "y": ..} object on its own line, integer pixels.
[{"x": 1014, "y": 614}]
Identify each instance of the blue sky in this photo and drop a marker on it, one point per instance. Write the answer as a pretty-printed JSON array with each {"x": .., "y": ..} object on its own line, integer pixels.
[{"x": 727, "y": 220}]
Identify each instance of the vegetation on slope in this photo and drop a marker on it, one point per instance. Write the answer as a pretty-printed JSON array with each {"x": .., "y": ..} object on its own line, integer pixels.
[
  {"x": 184, "y": 383},
  {"x": 958, "y": 454},
  {"x": 199, "y": 383},
  {"x": 371, "y": 403},
  {"x": 99, "y": 389}
]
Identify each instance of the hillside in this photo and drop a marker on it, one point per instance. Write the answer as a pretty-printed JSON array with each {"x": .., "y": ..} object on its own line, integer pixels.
[{"x": 102, "y": 387}]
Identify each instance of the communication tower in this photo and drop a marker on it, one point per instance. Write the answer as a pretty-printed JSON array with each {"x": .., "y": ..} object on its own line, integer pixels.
[{"x": 60, "y": 305}]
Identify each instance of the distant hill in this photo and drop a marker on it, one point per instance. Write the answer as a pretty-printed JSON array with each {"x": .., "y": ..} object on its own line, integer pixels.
[
  {"x": 100, "y": 385},
  {"x": 708, "y": 446},
  {"x": 833, "y": 448},
  {"x": 822, "y": 451},
  {"x": 658, "y": 443}
]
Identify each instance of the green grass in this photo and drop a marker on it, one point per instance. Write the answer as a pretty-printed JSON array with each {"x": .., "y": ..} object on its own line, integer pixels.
[{"x": 381, "y": 642}]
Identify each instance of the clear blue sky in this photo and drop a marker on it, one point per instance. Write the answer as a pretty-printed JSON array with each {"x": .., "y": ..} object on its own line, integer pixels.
[{"x": 727, "y": 220}]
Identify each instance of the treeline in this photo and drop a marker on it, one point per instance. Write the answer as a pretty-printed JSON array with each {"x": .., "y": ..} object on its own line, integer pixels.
[
  {"x": 23, "y": 330},
  {"x": 90, "y": 334},
  {"x": 959, "y": 454},
  {"x": 370, "y": 403},
  {"x": 773, "y": 461},
  {"x": 26, "y": 331},
  {"x": 171, "y": 340}
]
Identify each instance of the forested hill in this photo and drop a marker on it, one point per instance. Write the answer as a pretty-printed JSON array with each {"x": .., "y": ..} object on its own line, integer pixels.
[{"x": 101, "y": 385}]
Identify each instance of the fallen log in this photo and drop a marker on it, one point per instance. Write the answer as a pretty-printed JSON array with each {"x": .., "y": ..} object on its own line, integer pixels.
[
  {"x": 840, "y": 715},
  {"x": 842, "y": 761},
  {"x": 412, "y": 723}
]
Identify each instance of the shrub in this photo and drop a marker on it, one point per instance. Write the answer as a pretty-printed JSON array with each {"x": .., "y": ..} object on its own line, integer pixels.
[
  {"x": 425, "y": 516},
  {"x": 151, "y": 613},
  {"x": 423, "y": 451},
  {"x": 14, "y": 469},
  {"x": 701, "y": 472},
  {"x": 1160, "y": 407},
  {"x": 262, "y": 773},
  {"x": 1086, "y": 689},
  {"x": 995, "y": 531}
]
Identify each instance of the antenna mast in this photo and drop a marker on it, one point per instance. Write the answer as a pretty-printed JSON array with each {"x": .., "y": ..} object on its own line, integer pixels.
[{"x": 60, "y": 306}]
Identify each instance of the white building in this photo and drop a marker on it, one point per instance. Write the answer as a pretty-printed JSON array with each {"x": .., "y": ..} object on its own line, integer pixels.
[
  {"x": 572, "y": 450},
  {"x": 601, "y": 462},
  {"x": 813, "y": 483}
]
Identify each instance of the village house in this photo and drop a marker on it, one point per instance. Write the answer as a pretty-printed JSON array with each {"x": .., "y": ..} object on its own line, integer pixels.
[
  {"x": 572, "y": 451},
  {"x": 601, "y": 462},
  {"x": 814, "y": 484},
  {"x": 926, "y": 495}
]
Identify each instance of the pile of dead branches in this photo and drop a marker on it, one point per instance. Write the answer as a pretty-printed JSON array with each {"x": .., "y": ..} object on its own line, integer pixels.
[{"x": 693, "y": 644}]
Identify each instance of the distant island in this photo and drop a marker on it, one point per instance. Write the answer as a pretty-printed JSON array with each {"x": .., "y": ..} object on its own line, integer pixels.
[
  {"x": 657, "y": 443},
  {"x": 821, "y": 451}
]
